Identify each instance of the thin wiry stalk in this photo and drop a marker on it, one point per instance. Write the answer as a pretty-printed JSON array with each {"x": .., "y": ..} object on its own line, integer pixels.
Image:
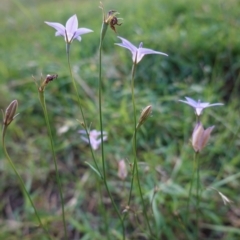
[
  {"x": 100, "y": 108},
  {"x": 81, "y": 110},
  {"x": 21, "y": 181},
  {"x": 195, "y": 170},
  {"x": 134, "y": 134},
  {"x": 101, "y": 129},
  {"x": 198, "y": 195},
  {"x": 190, "y": 190},
  {"x": 44, "y": 107},
  {"x": 135, "y": 166},
  {"x": 103, "y": 210}
]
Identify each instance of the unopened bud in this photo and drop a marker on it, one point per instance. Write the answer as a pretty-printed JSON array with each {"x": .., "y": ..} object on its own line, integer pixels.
[
  {"x": 10, "y": 112},
  {"x": 122, "y": 169},
  {"x": 146, "y": 112},
  {"x": 200, "y": 137}
]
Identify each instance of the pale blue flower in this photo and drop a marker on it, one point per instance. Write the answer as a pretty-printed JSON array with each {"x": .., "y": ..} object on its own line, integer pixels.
[
  {"x": 71, "y": 31},
  {"x": 95, "y": 138},
  {"x": 198, "y": 105},
  {"x": 137, "y": 53}
]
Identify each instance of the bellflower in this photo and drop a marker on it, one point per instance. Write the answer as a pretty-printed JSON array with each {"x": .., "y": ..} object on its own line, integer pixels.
[
  {"x": 198, "y": 105},
  {"x": 94, "y": 136},
  {"x": 137, "y": 53},
  {"x": 71, "y": 31},
  {"x": 200, "y": 137}
]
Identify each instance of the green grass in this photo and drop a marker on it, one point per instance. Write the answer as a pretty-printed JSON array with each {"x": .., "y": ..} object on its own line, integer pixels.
[{"x": 202, "y": 41}]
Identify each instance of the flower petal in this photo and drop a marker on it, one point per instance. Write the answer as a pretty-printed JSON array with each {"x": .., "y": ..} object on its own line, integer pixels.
[
  {"x": 82, "y": 131},
  {"x": 197, "y": 136},
  {"x": 126, "y": 44},
  {"x": 146, "y": 51},
  {"x": 81, "y": 31},
  {"x": 59, "y": 34},
  {"x": 104, "y": 138},
  {"x": 199, "y": 110},
  {"x": 202, "y": 105},
  {"x": 58, "y": 26},
  {"x": 72, "y": 24},
  {"x": 78, "y": 38},
  {"x": 215, "y": 104},
  {"x": 191, "y": 101},
  {"x": 206, "y": 136}
]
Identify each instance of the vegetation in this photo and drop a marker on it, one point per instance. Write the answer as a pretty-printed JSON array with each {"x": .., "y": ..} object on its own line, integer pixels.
[{"x": 201, "y": 39}]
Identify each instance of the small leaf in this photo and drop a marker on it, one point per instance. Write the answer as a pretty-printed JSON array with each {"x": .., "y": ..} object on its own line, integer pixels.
[{"x": 94, "y": 169}]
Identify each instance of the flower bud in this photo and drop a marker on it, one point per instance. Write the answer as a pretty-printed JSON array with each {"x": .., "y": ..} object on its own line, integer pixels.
[
  {"x": 200, "y": 137},
  {"x": 122, "y": 169},
  {"x": 10, "y": 112},
  {"x": 146, "y": 112}
]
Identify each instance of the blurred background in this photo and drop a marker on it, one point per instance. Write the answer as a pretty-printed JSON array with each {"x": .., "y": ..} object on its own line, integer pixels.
[{"x": 203, "y": 44}]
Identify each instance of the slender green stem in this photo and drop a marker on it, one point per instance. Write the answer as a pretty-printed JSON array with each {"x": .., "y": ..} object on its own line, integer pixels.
[
  {"x": 102, "y": 210},
  {"x": 190, "y": 190},
  {"x": 195, "y": 170},
  {"x": 81, "y": 110},
  {"x": 101, "y": 129},
  {"x": 134, "y": 134},
  {"x": 44, "y": 107},
  {"x": 21, "y": 181},
  {"x": 100, "y": 109},
  {"x": 135, "y": 166},
  {"x": 198, "y": 195}
]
